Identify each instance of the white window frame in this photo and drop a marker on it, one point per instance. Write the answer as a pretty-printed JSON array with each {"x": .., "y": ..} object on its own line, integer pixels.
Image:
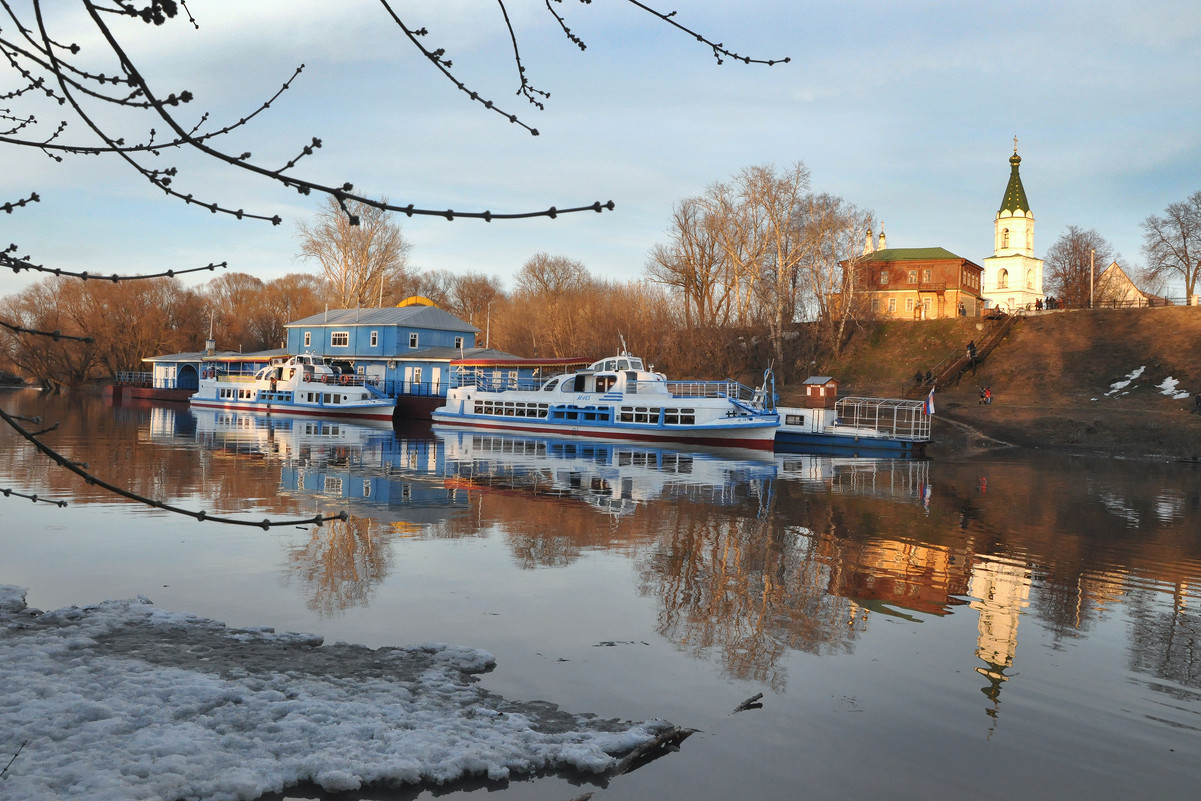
[
  {"x": 458, "y": 342},
  {"x": 375, "y": 339},
  {"x": 413, "y": 340},
  {"x": 335, "y": 336},
  {"x": 308, "y": 339}
]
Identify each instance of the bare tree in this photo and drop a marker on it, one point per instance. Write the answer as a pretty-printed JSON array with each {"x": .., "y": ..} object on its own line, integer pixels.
[
  {"x": 1172, "y": 243},
  {"x": 1074, "y": 262},
  {"x": 693, "y": 264},
  {"x": 357, "y": 254},
  {"x": 836, "y": 229},
  {"x": 783, "y": 202}
]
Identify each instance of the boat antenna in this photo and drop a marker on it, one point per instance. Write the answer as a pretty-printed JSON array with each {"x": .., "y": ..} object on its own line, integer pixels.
[{"x": 624, "y": 350}]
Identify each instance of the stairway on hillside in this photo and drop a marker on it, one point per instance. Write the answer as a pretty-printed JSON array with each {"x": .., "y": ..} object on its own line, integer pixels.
[{"x": 951, "y": 369}]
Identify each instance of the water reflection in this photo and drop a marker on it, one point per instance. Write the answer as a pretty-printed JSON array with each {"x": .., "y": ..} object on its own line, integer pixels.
[{"x": 748, "y": 558}]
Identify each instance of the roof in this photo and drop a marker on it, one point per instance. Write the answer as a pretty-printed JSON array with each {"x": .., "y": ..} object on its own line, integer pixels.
[
  {"x": 410, "y": 316},
  {"x": 451, "y": 354},
  {"x": 818, "y": 379},
  {"x": 1015, "y": 194},
  {"x": 219, "y": 356},
  {"x": 912, "y": 254},
  {"x": 509, "y": 360}
]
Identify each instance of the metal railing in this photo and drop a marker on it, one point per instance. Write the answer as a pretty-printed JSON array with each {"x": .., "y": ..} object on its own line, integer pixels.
[{"x": 134, "y": 377}]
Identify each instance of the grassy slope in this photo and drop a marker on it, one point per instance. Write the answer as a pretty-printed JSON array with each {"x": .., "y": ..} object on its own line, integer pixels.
[{"x": 1050, "y": 378}]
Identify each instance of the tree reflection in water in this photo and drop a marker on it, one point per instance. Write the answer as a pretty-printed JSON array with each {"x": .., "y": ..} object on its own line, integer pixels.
[{"x": 342, "y": 563}]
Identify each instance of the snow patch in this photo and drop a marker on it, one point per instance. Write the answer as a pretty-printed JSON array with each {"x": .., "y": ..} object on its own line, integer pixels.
[
  {"x": 124, "y": 701},
  {"x": 1117, "y": 386},
  {"x": 1168, "y": 387}
]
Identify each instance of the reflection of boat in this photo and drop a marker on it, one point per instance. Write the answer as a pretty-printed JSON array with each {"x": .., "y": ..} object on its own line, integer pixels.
[
  {"x": 300, "y": 385},
  {"x": 613, "y": 477},
  {"x": 891, "y": 479},
  {"x": 617, "y": 399},
  {"x": 283, "y": 436}
]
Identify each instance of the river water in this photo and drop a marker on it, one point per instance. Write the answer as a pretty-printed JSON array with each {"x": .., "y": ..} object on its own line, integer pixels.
[{"x": 1017, "y": 625}]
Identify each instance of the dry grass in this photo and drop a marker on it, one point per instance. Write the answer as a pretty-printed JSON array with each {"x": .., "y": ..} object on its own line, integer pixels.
[{"x": 1052, "y": 380}]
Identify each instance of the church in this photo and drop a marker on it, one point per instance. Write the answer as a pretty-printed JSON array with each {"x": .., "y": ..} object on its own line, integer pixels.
[
  {"x": 932, "y": 283},
  {"x": 1013, "y": 277}
]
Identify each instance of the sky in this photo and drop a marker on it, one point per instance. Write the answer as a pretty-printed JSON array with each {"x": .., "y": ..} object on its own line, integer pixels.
[{"x": 906, "y": 109}]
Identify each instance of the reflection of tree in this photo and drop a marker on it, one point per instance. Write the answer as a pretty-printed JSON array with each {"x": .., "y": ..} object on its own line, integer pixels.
[
  {"x": 1164, "y": 642},
  {"x": 342, "y": 562},
  {"x": 748, "y": 589}
]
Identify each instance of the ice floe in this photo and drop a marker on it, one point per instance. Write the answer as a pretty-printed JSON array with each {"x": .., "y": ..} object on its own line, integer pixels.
[{"x": 122, "y": 700}]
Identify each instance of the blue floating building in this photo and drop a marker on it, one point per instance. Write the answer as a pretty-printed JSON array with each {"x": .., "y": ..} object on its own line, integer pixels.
[{"x": 414, "y": 352}]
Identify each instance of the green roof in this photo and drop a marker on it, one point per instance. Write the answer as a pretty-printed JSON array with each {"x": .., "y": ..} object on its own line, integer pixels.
[
  {"x": 911, "y": 254},
  {"x": 1015, "y": 195}
]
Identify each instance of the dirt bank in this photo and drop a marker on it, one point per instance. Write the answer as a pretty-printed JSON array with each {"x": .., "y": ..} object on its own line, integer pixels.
[{"x": 1116, "y": 383}]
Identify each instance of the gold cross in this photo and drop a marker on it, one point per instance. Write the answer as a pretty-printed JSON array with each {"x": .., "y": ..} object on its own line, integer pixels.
[{"x": 1015, "y": 144}]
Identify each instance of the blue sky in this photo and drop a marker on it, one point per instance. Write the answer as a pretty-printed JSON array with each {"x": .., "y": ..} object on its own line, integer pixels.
[{"x": 907, "y": 109}]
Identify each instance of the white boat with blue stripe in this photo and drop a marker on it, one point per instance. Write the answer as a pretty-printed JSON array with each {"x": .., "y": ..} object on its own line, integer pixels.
[
  {"x": 299, "y": 385},
  {"x": 618, "y": 398}
]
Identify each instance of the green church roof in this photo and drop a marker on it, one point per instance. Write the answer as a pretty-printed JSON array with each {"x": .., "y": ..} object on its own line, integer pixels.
[
  {"x": 912, "y": 254},
  {"x": 1015, "y": 194}
]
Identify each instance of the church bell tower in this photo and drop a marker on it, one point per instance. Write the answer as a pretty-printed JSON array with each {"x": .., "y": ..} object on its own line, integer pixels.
[{"x": 1013, "y": 277}]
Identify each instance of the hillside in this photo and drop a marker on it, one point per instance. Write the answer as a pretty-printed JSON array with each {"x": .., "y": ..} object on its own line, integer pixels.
[{"x": 1057, "y": 381}]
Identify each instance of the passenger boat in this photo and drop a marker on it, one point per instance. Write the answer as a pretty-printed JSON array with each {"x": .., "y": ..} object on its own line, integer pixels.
[
  {"x": 618, "y": 398},
  {"x": 300, "y": 385},
  {"x": 852, "y": 426}
]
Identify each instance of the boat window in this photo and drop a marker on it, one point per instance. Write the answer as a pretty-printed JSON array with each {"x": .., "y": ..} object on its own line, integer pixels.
[
  {"x": 794, "y": 419},
  {"x": 610, "y": 364},
  {"x": 635, "y": 364},
  {"x": 578, "y": 384},
  {"x": 623, "y": 364},
  {"x": 550, "y": 385}
]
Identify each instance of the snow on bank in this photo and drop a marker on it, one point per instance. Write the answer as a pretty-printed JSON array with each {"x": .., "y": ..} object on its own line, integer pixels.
[
  {"x": 1118, "y": 386},
  {"x": 122, "y": 700},
  {"x": 1168, "y": 387}
]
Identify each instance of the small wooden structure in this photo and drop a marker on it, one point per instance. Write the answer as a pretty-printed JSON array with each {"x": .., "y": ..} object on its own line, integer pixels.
[{"x": 821, "y": 392}]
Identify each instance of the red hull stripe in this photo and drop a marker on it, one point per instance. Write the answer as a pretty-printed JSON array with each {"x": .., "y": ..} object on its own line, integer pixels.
[
  {"x": 300, "y": 411},
  {"x": 765, "y": 444}
]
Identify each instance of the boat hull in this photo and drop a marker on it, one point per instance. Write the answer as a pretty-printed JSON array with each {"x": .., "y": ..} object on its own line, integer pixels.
[
  {"x": 377, "y": 412},
  {"x": 808, "y": 442},
  {"x": 757, "y": 435}
]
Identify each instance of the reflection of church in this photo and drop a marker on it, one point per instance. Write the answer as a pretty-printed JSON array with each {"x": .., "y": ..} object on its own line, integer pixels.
[
  {"x": 1000, "y": 592},
  {"x": 1013, "y": 278}
]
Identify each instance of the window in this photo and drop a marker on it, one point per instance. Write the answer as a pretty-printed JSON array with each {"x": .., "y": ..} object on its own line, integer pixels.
[
  {"x": 459, "y": 343},
  {"x": 913, "y": 276},
  {"x": 1030, "y": 279},
  {"x": 875, "y": 304},
  {"x": 1004, "y": 237},
  {"x": 413, "y": 340},
  {"x": 339, "y": 339},
  {"x": 308, "y": 339},
  {"x": 883, "y": 277},
  {"x": 908, "y": 304},
  {"x": 925, "y": 276},
  {"x": 1003, "y": 279},
  {"x": 416, "y": 374},
  {"x": 892, "y": 304},
  {"x": 374, "y": 338}
]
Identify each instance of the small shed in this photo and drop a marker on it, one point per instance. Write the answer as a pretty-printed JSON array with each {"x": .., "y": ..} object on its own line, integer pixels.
[{"x": 821, "y": 392}]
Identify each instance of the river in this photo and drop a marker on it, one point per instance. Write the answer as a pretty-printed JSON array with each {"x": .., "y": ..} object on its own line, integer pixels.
[{"x": 1016, "y": 625}]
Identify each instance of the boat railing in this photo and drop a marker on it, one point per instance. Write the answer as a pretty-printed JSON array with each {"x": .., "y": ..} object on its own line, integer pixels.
[
  {"x": 897, "y": 418},
  {"x": 495, "y": 383},
  {"x": 715, "y": 389},
  {"x": 133, "y": 378}
]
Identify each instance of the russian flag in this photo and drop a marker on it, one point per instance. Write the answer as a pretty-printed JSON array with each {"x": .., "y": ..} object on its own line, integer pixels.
[{"x": 930, "y": 402}]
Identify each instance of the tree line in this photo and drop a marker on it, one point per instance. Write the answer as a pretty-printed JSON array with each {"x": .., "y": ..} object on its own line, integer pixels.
[{"x": 757, "y": 270}]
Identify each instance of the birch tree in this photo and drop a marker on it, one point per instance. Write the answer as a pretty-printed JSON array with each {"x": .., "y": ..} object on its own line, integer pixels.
[{"x": 359, "y": 249}]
